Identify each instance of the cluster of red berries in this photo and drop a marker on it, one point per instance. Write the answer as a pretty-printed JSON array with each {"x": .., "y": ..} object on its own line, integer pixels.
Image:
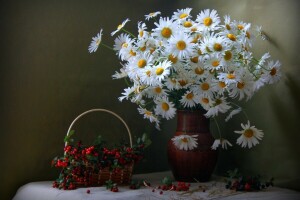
[
  {"x": 181, "y": 186},
  {"x": 79, "y": 163},
  {"x": 248, "y": 184}
]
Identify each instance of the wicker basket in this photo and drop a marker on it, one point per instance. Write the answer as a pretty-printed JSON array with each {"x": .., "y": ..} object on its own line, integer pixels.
[{"x": 122, "y": 176}]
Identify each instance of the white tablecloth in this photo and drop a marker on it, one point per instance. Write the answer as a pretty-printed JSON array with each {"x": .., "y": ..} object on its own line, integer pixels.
[{"x": 215, "y": 189}]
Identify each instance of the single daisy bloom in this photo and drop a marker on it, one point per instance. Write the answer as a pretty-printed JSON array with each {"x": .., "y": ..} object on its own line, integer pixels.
[
  {"x": 164, "y": 108},
  {"x": 148, "y": 114},
  {"x": 208, "y": 20},
  {"x": 181, "y": 46},
  {"x": 165, "y": 28},
  {"x": 119, "y": 75},
  {"x": 204, "y": 87},
  {"x": 142, "y": 33},
  {"x": 185, "y": 142},
  {"x": 274, "y": 73},
  {"x": 189, "y": 99},
  {"x": 152, "y": 15},
  {"x": 182, "y": 14},
  {"x": 156, "y": 91},
  {"x": 250, "y": 135},
  {"x": 162, "y": 70},
  {"x": 223, "y": 142},
  {"x": 120, "y": 27},
  {"x": 220, "y": 105},
  {"x": 243, "y": 87},
  {"x": 96, "y": 41},
  {"x": 206, "y": 102}
]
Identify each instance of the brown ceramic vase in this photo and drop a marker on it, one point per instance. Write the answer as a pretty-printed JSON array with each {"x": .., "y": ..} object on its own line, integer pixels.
[{"x": 197, "y": 164}]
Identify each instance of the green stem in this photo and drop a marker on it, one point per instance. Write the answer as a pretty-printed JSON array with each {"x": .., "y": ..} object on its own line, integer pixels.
[
  {"x": 107, "y": 46},
  {"x": 243, "y": 111},
  {"x": 128, "y": 32},
  {"x": 218, "y": 127}
]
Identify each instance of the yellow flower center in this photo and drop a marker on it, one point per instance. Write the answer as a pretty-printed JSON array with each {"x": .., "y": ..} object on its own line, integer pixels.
[
  {"x": 165, "y": 106},
  {"x": 98, "y": 42},
  {"x": 218, "y": 102},
  {"x": 184, "y": 140},
  {"x": 240, "y": 26},
  {"x": 230, "y": 76},
  {"x": 222, "y": 84},
  {"x": 205, "y": 100},
  {"x": 181, "y": 45},
  {"x": 190, "y": 96},
  {"x": 183, "y": 15},
  {"x": 141, "y": 33},
  {"x": 182, "y": 83},
  {"x": 199, "y": 70},
  {"x": 148, "y": 73},
  {"x": 231, "y": 36},
  {"x": 228, "y": 55},
  {"x": 187, "y": 24},
  {"x": 173, "y": 80},
  {"x": 194, "y": 29},
  {"x": 248, "y": 35},
  {"x": 148, "y": 113},
  {"x": 143, "y": 48},
  {"x": 172, "y": 58},
  {"x": 120, "y": 26},
  {"x": 158, "y": 90},
  {"x": 124, "y": 45},
  {"x": 195, "y": 59},
  {"x": 215, "y": 63},
  {"x": 195, "y": 39},
  {"x": 228, "y": 27},
  {"x": 159, "y": 71},
  {"x": 204, "y": 86},
  {"x": 199, "y": 52},
  {"x": 166, "y": 32},
  {"x": 207, "y": 21},
  {"x": 240, "y": 85},
  {"x": 248, "y": 133},
  {"x": 218, "y": 47},
  {"x": 273, "y": 71},
  {"x": 142, "y": 63},
  {"x": 132, "y": 53}
]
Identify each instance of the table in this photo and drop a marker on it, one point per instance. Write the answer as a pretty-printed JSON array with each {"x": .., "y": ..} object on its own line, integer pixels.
[{"x": 215, "y": 189}]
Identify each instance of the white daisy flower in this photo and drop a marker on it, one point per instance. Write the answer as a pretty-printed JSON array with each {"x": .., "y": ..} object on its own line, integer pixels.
[
  {"x": 120, "y": 27},
  {"x": 181, "y": 46},
  {"x": 214, "y": 62},
  {"x": 152, "y": 15},
  {"x": 220, "y": 105},
  {"x": 250, "y": 135},
  {"x": 156, "y": 91},
  {"x": 182, "y": 14},
  {"x": 208, "y": 20},
  {"x": 232, "y": 113},
  {"x": 171, "y": 83},
  {"x": 206, "y": 102},
  {"x": 189, "y": 99},
  {"x": 274, "y": 73},
  {"x": 119, "y": 75},
  {"x": 204, "y": 87},
  {"x": 185, "y": 142},
  {"x": 219, "y": 87},
  {"x": 162, "y": 70},
  {"x": 96, "y": 41},
  {"x": 148, "y": 114},
  {"x": 223, "y": 142},
  {"x": 243, "y": 87},
  {"x": 141, "y": 30},
  {"x": 164, "y": 108},
  {"x": 165, "y": 29}
]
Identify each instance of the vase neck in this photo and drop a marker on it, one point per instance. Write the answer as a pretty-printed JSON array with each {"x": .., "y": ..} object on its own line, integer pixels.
[{"x": 192, "y": 121}]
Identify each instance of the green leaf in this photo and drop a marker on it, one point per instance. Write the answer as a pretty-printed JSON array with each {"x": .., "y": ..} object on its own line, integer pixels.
[
  {"x": 68, "y": 136},
  {"x": 98, "y": 141}
]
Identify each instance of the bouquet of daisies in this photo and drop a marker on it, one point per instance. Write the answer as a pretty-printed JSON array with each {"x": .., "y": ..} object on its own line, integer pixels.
[{"x": 185, "y": 63}]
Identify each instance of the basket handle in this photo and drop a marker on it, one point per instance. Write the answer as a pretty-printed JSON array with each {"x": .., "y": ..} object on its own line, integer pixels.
[{"x": 100, "y": 110}]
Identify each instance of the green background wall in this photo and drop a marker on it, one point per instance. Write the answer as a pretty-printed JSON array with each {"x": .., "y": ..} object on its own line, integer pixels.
[{"x": 48, "y": 78}]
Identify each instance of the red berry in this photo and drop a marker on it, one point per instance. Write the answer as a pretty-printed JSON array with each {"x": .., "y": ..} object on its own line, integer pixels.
[
  {"x": 161, "y": 192},
  {"x": 88, "y": 191},
  {"x": 153, "y": 190}
]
